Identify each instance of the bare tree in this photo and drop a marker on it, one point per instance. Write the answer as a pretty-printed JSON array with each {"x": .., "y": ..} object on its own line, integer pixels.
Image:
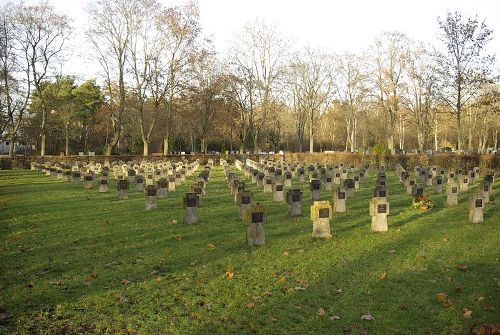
[
  {"x": 390, "y": 54},
  {"x": 110, "y": 36},
  {"x": 15, "y": 85},
  {"x": 180, "y": 29},
  {"x": 42, "y": 36},
  {"x": 463, "y": 65},
  {"x": 352, "y": 89},
  {"x": 420, "y": 91},
  {"x": 258, "y": 56}
]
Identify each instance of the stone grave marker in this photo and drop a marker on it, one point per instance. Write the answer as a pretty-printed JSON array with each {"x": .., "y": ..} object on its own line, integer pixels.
[
  {"x": 411, "y": 188},
  {"x": 301, "y": 174},
  {"x": 452, "y": 193},
  {"x": 88, "y": 181},
  {"x": 122, "y": 187},
  {"x": 315, "y": 187},
  {"x": 429, "y": 181},
  {"x": 260, "y": 180},
  {"x": 171, "y": 183},
  {"x": 288, "y": 179},
  {"x": 438, "y": 184},
  {"x": 349, "y": 187},
  {"x": 464, "y": 183},
  {"x": 337, "y": 178},
  {"x": 321, "y": 212},
  {"x": 139, "y": 183},
  {"x": 190, "y": 202},
  {"x": 484, "y": 188},
  {"x": 328, "y": 182},
  {"x": 294, "y": 198},
  {"x": 380, "y": 192},
  {"x": 243, "y": 200},
  {"x": 339, "y": 199},
  {"x": 103, "y": 184},
  {"x": 255, "y": 219},
  {"x": 476, "y": 206},
  {"x": 379, "y": 209},
  {"x": 268, "y": 184},
  {"x": 150, "y": 197},
  {"x": 278, "y": 191},
  {"x": 161, "y": 190}
]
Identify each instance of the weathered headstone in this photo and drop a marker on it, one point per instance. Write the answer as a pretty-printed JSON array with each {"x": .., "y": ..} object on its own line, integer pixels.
[
  {"x": 321, "y": 212},
  {"x": 88, "y": 181},
  {"x": 243, "y": 200},
  {"x": 278, "y": 191},
  {"x": 255, "y": 219},
  {"x": 451, "y": 193},
  {"x": 139, "y": 183},
  {"x": 161, "y": 190},
  {"x": 379, "y": 209},
  {"x": 484, "y": 188},
  {"x": 150, "y": 197},
  {"x": 122, "y": 186},
  {"x": 268, "y": 184},
  {"x": 476, "y": 206},
  {"x": 103, "y": 184},
  {"x": 288, "y": 179},
  {"x": 328, "y": 182},
  {"x": 315, "y": 187},
  {"x": 339, "y": 198},
  {"x": 438, "y": 184},
  {"x": 464, "y": 183},
  {"x": 190, "y": 203},
  {"x": 294, "y": 198}
]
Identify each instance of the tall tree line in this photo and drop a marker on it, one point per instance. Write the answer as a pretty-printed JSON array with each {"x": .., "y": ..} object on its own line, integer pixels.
[{"x": 163, "y": 88}]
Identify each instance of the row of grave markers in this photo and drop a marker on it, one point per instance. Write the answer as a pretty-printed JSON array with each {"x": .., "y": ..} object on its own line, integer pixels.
[
  {"x": 456, "y": 182},
  {"x": 154, "y": 179}
]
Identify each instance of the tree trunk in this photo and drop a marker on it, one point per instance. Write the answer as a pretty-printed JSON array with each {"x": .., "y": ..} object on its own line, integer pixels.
[
  {"x": 66, "y": 137},
  {"x": 42, "y": 144},
  {"x": 145, "y": 150},
  {"x": 311, "y": 133},
  {"x": 495, "y": 140},
  {"x": 165, "y": 144},
  {"x": 12, "y": 139},
  {"x": 459, "y": 133},
  {"x": 436, "y": 135}
]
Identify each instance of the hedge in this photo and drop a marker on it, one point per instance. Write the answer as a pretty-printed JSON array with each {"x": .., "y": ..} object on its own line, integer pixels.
[{"x": 447, "y": 161}]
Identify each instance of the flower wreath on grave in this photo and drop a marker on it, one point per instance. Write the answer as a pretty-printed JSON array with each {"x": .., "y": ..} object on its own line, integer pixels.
[{"x": 422, "y": 202}]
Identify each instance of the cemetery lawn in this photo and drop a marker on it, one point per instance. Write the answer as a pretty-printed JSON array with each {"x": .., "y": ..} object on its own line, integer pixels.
[{"x": 75, "y": 261}]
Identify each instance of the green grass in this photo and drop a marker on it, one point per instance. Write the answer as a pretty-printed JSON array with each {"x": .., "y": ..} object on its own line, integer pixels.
[{"x": 75, "y": 261}]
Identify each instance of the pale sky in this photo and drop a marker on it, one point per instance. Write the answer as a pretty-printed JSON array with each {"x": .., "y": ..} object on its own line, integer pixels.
[{"x": 333, "y": 26}]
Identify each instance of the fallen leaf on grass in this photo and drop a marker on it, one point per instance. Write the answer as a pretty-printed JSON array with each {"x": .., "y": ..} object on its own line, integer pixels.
[
  {"x": 442, "y": 297},
  {"x": 174, "y": 222},
  {"x": 123, "y": 299},
  {"x": 268, "y": 293},
  {"x": 229, "y": 273},
  {"x": 298, "y": 288},
  {"x": 321, "y": 312},
  {"x": 91, "y": 277},
  {"x": 256, "y": 298},
  {"x": 444, "y": 300},
  {"x": 459, "y": 289},
  {"x": 334, "y": 317},
  {"x": 383, "y": 276},
  {"x": 488, "y": 307},
  {"x": 462, "y": 267},
  {"x": 367, "y": 317},
  {"x": 274, "y": 320},
  {"x": 211, "y": 246},
  {"x": 392, "y": 251},
  {"x": 250, "y": 305},
  {"x": 467, "y": 313},
  {"x": 56, "y": 282},
  {"x": 285, "y": 253},
  {"x": 125, "y": 282}
]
